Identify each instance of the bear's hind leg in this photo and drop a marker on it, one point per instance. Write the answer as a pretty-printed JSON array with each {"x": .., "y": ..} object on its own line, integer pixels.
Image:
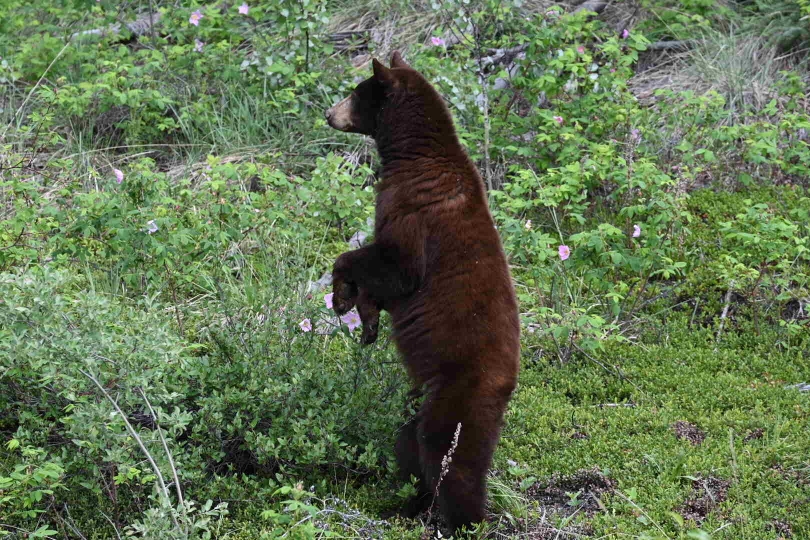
[
  {"x": 463, "y": 489},
  {"x": 407, "y": 453}
]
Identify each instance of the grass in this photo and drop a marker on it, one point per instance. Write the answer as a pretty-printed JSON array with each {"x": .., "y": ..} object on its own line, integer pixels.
[
  {"x": 688, "y": 426},
  {"x": 727, "y": 393}
]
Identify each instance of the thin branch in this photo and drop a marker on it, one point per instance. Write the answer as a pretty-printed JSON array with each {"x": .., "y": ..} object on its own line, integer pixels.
[
  {"x": 165, "y": 448},
  {"x": 617, "y": 371},
  {"x": 597, "y": 6},
  {"x": 725, "y": 309},
  {"x": 138, "y": 27},
  {"x": 30, "y": 93},
  {"x": 137, "y": 438},
  {"x": 679, "y": 45},
  {"x": 117, "y": 534}
]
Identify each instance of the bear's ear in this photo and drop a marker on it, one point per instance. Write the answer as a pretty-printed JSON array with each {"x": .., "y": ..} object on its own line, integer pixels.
[
  {"x": 397, "y": 61},
  {"x": 382, "y": 73}
]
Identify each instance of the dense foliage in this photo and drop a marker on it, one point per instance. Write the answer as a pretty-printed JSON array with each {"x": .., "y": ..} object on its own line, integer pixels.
[{"x": 171, "y": 195}]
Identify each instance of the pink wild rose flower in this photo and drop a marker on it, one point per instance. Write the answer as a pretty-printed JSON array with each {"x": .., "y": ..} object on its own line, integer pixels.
[
  {"x": 328, "y": 300},
  {"x": 559, "y": 120},
  {"x": 195, "y": 18},
  {"x": 636, "y": 231},
  {"x": 244, "y": 9},
  {"x": 564, "y": 252},
  {"x": 437, "y": 42},
  {"x": 306, "y": 325},
  {"x": 119, "y": 176},
  {"x": 352, "y": 320}
]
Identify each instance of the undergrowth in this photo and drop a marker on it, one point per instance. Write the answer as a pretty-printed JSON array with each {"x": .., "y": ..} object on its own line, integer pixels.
[{"x": 171, "y": 199}]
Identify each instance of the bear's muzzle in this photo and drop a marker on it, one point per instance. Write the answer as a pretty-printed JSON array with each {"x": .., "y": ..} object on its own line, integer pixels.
[{"x": 339, "y": 116}]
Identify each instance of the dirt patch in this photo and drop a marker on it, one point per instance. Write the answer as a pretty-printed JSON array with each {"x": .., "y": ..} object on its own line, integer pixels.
[
  {"x": 688, "y": 431},
  {"x": 588, "y": 484},
  {"x": 796, "y": 310},
  {"x": 536, "y": 528},
  {"x": 754, "y": 435},
  {"x": 707, "y": 494},
  {"x": 798, "y": 477},
  {"x": 781, "y": 528},
  {"x": 237, "y": 459},
  {"x": 542, "y": 524}
]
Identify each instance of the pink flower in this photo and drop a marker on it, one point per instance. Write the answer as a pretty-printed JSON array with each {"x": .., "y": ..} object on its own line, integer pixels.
[
  {"x": 328, "y": 300},
  {"x": 198, "y": 45},
  {"x": 581, "y": 49},
  {"x": 151, "y": 226},
  {"x": 625, "y": 33},
  {"x": 119, "y": 176},
  {"x": 195, "y": 18},
  {"x": 437, "y": 42},
  {"x": 305, "y": 325},
  {"x": 244, "y": 8},
  {"x": 559, "y": 120},
  {"x": 352, "y": 320},
  {"x": 564, "y": 251},
  {"x": 636, "y": 231}
]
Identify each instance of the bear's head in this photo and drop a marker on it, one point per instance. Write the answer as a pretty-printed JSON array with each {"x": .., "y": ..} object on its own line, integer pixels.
[{"x": 390, "y": 97}]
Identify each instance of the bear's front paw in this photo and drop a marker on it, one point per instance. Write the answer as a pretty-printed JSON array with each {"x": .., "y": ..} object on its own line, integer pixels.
[
  {"x": 344, "y": 296},
  {"x": 370, "y": 329}
]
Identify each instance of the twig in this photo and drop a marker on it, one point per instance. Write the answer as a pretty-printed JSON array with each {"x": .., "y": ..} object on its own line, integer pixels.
[
  {"x": 640, "y": 509},
  {"x": 166, "y": 449},
  {"x": 446, "y": 461},
  {"x": 174, "y": 299},
  {"x": 679, "y": 45},
  {"x": 602, "y": 405},
  {"x": 617, "y": 372},
  {"x": 137, "y": 438},
  {"x": 597, "y": 6},
  {"x": 117, "y": 534},
  {"x": 72, "y": 524},
  {"x": 42, "y": 78},
  {"x": 482, "y": 79},
  {"x": 138, "y": 27},
  {"x": 725, "y": 309}
]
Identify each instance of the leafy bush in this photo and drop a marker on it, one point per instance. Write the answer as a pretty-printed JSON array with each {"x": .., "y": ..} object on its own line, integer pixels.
[
  {"x": 168, "y": 200},
  {"x": 261, "y": 404}
]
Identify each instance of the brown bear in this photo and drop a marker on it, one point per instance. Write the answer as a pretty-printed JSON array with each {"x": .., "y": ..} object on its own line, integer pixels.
[{"x": 437, "y": 266}]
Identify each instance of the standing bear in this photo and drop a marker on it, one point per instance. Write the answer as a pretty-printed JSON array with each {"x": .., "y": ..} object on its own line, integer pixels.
[{"x": 438, "y": 267}]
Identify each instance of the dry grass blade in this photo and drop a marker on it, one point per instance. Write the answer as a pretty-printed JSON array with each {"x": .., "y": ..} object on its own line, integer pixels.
[{"x": 743, "y": 69}]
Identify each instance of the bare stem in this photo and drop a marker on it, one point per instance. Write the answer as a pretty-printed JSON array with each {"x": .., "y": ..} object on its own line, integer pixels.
[
  {"x": 166, "y": 449},
  {"x": 725, "y": 309},
  {"x": 158, "y": 474}
]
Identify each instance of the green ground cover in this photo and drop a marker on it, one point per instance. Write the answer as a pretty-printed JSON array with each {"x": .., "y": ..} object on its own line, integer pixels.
[{"x": 171, "y": 196}]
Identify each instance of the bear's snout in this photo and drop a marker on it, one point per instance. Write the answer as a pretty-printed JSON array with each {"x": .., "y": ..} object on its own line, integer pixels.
[{"x": 339, "y": 116}]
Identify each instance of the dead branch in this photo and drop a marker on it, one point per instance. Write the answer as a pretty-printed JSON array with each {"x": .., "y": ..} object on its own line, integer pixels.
[
  {"x": 597, "y": 6},
  {"x": 680, "y": 45},
  {"x": 725, "y": 309},
  {"x": 138, "y": 27}
]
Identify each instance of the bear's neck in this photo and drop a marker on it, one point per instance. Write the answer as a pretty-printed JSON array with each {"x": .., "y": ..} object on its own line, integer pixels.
[{"x": 422, "y": 131}]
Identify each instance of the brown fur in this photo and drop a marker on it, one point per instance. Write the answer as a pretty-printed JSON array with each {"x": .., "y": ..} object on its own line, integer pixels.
[{"x": 437, "y": 266}]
